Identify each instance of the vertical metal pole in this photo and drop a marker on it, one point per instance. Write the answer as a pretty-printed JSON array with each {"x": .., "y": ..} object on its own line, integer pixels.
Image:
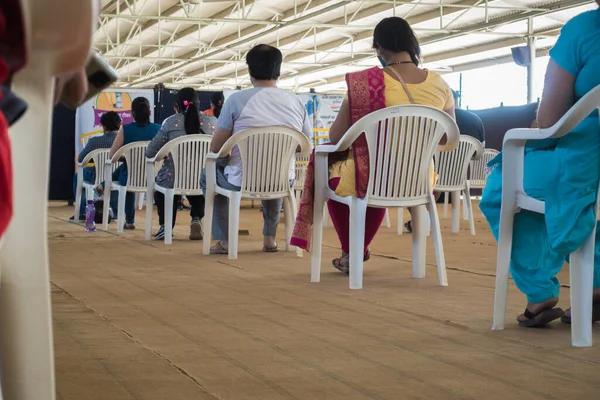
[
  {"x": 460, "y": 90},
  {"x": 530, "y": 66}
]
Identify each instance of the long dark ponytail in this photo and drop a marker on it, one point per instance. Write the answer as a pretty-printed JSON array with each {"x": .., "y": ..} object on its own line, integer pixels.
[
  {"x": 188, "y": 104},
  {"x": 217, "y": 100}
]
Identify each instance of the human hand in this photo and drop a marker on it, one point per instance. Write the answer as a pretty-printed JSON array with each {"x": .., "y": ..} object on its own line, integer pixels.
[{"x": 74, "y": 85}]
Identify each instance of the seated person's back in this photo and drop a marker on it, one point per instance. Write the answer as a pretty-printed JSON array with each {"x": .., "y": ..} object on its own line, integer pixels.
[{"x": 260, "y": 107}]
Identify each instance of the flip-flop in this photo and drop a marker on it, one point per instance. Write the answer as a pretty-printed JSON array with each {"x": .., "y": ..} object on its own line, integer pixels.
[
  {"x": 218, "y": 248},
  {"x": 273, "y": 249},
  {"x": 542, "y": 318},
  {"x": 595, "y": 315},
  {"x": 342, "y": 263}
]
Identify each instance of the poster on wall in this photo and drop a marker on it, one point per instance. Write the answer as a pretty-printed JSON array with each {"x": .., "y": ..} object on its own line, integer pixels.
[
  {"x": 87, "y": 118},
  {"x": 323, "y": 110}
]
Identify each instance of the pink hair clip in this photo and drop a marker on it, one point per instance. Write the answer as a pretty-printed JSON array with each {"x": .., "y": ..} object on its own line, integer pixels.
[{"x": 187, "y": 104}]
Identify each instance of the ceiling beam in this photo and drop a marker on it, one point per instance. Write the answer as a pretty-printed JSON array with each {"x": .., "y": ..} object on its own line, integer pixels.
[
  {"x": 254, "y": 32},
  {"x": 418, "y": 18}
]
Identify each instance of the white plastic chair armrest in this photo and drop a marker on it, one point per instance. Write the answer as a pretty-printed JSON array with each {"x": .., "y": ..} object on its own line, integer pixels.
[
  {"x": 116, "y": 157},
  {"x": 86, "y": 159},
  {"x": 328, "y": 148}
]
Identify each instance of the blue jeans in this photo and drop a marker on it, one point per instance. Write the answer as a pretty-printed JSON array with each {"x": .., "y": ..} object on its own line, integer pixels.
[
  {"x": 220, "y": 229},
  {"x": 534, "y": 264},
  {"x": 120, "y": 175}
]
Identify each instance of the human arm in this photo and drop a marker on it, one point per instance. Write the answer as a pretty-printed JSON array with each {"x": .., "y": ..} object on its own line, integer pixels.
[
  {"x": 224, "y": 128},
  {"x": 89, "y": 147},
  {"x": 73, "y": 84},
  {"x": 565, "y": 63},
  {"x": 158, "y": 141},
  {"x": 341, "y": 124},
  {"x": 219, "y": 139},
  {"x": 558, "y": 95},
  {"x": 307, "y": 130},
  {"x": 118, "y": 143}
]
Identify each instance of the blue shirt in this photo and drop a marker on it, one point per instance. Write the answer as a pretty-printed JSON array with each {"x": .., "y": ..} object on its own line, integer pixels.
[
  {"x": 577, "y": 51},
  {"x": 137, "y": 133}
]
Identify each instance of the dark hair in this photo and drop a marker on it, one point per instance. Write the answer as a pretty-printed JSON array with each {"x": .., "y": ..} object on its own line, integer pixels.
[
  {"x": 188, "y": 104},
  {"x": 140, "y": 108},
  {"x": 395, "y": 35},
  {"x": 217, "y": 100},
  {"x": 264, "y": 62},
  {"x": 110, "y": 121}
]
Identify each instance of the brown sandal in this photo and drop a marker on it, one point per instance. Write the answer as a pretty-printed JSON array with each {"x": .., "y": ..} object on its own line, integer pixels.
[{"x": 342, "y": 263}]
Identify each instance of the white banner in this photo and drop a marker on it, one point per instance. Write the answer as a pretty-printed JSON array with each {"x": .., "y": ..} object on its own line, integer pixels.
[{"x": 87, "y": 119}]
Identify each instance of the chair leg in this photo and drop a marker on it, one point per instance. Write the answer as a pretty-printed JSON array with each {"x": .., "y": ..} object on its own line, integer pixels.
[
  {"x": 388, "y": 224},
  {"x": 234, "y": 224},
  {"x": 507, "y": 214},
  {"x": 289, "y": 224},
  {"x": 469, "y": 214},
  {"x": 466, "y": 195},
  {"x": 581, "y": 277},
  {"x": 140, "y": 199},
  {"x": 209, "y": 201},
  {"x": 78, "y": 194},
  {"x": 121, "y": 210},
  {"x": 446, "y": 195},
  {"x": 437, "y": 242},
  {"x": 400, "y": 221},
  {"x": 294, "y": 201},
  {"x": 107, "y": 193},
  {"x": 325, "y": 216},
  {"x": 318, "y": 218},
  {"x": 455, "y": 211},
  {"x": 149, "y": 211},
  {"x": 419, "y": 241},
  {"x": 358, "y": 213},
  {"x": 169, "y": 204}
]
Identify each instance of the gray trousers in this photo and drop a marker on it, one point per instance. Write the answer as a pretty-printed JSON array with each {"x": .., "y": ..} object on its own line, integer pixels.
[{"x": 271, "y": 209}]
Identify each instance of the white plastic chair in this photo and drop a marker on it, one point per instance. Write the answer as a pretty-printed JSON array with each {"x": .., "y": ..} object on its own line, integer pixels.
[
  {"x": 266, "y": 158},
  {"x": 189, "y": 157},
  {"x": 477, "y": 176},
  {"x": 478, "y": 169},
  {"x": 402, "y": 141},
  {"x": 515, "y": 199},
  {"x": 452, "y": 168},
  {"x": 134, "y": 155},
  {"x": 54, "y": 47},
  {"x": 99, "y": 156}
]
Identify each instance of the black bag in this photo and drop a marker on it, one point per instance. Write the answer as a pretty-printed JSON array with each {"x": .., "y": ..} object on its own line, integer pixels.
[{"x": 99, "y": 206}]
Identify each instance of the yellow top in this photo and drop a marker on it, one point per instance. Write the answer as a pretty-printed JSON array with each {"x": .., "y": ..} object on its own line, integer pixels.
[{"x": 433, "y": 92}]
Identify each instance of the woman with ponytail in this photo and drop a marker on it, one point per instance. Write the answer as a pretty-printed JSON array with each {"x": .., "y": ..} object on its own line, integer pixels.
[
  {"x": 188, "y": 120},
  {"x": 216, "y": 104}
]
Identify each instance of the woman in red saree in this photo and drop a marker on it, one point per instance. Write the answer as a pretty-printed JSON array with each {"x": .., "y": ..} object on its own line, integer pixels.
[{"x": 401, "y": 81}]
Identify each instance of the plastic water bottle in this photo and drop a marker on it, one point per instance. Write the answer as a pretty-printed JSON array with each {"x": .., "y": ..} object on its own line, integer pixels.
[{"x": 90, "y": 215}]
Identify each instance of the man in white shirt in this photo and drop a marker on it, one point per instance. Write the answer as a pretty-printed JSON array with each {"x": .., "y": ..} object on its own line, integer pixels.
[{"x": 262, "y": 106}]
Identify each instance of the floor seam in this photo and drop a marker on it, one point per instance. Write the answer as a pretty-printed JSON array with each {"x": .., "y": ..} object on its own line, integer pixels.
[{"x": 181, "y": 370}]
